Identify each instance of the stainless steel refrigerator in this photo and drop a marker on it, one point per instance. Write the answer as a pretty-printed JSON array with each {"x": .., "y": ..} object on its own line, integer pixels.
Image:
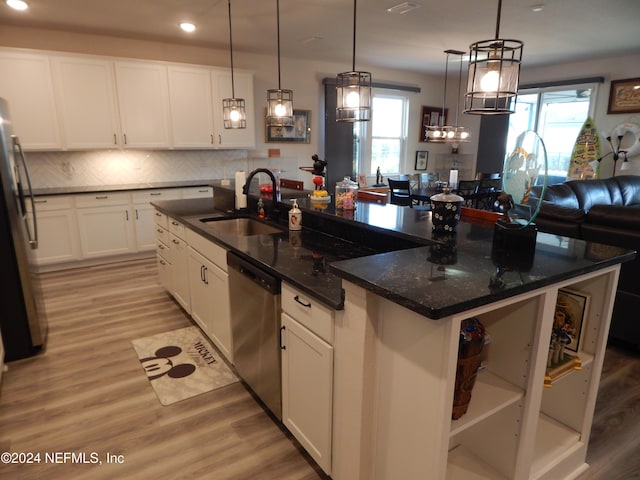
[{"x": 22, "y": 316}]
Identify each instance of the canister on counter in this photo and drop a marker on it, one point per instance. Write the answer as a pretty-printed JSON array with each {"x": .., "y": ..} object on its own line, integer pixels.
[{"x": 346, "y": 194}]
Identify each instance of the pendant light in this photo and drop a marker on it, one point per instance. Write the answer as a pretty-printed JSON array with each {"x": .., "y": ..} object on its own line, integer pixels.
[
  {"x": 279, "y": 102},
  {"x": 494, "y": 68},
  {"x": 234, "y": 113},
  {"x": 449, "y": 133},
  {"x": 353, "y": 89}
]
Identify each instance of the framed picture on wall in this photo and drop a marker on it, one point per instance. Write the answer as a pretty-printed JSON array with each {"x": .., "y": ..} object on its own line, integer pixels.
[
  {"x": 299, "y": 132},
  {"x": 624, "y": 96},
  {"x": 431, "y": 116},
  {"x": 422, "y": 158}
]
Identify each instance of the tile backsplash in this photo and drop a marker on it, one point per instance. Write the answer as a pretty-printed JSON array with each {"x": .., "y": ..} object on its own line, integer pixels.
[{"x": 122, "y": 167}]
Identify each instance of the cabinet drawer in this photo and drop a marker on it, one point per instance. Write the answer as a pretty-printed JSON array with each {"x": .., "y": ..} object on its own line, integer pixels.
[
  {"x": 309, "y": 312},
  {"x": 163, "y": 249},
  {"x": 162, "y": 234},
  {"x": 215, "y": 253},
  {"x": 176, "y": 227},
  {"x": 102, "y": 200},
  {"x": 145, "y": 196},
  {"x": 161, "y": 219},
  {"x": 53, "y": 202},
  {"x": 197, "y": 192}
]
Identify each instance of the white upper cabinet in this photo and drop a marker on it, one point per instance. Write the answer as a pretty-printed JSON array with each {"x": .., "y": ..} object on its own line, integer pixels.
[
  {"x": 243, "y": 83},
  {"x": 25, "y": 82},
  {"x": 86, "y": 102},
  {"x": 143, "y": 99},
  {"x": 196, "y": 108},
  {"x": 191, "y": 113}
]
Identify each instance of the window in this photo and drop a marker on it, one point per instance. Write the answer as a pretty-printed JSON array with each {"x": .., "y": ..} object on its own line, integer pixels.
[
  {"x": 556, "y": 114},
  {"x": 382, "y": 141}
]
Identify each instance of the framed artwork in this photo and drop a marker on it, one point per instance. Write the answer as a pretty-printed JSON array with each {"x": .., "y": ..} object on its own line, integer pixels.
[
  {"x": 624, "y": 96},
  {"x": 299, "y": 132},
  {"x": 572, "y": 308},
  {"x": 422, "y": 158},
  {"x": 431, "y": 116}
]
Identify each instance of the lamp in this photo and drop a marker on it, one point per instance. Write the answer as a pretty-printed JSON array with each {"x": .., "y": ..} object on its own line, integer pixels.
[
  {"x": 279, "y": 102},
  {"x": 615, "y": 152},
  {"x": 449, "y": 133},
  {"x": 234, "y": 113},
  {"x": 494, "y": 68},
  {"x": 353, "y": 89}
]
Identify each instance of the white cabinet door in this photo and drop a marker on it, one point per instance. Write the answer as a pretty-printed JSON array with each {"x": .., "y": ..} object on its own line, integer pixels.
[
  {"x": 164, "y": 272},
  {"x": 106, "y": 224},
  {"x": 191, "y": 113},
  {"x": 307, "y": 389},
  {"x": 144, "y": 214},
  {"x": 57, "y": 230},
  {"x": 143, "y": 99},
  {"x": 243, "y": 83},
  {"x": 25, "y": 82},
  {"x": 86, "y": 101},
  {"x": 180, "y": 271},
  {"x": 209, "y": 287}
]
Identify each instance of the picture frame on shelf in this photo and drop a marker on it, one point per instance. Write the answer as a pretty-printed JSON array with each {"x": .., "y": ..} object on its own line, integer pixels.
[
  {"x": 431, "y": 116},
  {"x": 572, "y": 308},
  {"x": 624, "y": 96},
  {"x": 299, "y": 132},
  {"x": 422, "y": 159}
]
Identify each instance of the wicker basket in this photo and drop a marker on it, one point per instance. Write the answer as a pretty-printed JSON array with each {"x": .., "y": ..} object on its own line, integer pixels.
[{"x": 469, "y": 360}]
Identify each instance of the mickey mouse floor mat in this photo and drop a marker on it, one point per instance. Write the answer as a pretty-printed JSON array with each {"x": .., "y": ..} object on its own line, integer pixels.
[{"x": 181, "y": 364}]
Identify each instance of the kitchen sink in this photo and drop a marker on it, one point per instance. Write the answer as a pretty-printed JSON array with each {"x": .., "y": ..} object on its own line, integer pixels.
[{"x": 243, "y": 227}]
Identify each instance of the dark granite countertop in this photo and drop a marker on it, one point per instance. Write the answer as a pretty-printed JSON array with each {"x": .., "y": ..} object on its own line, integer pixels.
[{"x": 423, "y": 276}]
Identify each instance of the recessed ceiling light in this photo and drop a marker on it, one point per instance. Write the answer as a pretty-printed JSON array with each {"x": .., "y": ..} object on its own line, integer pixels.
[
  {"x": 17, "y": 4},
  {"x": 403, "y": 7},
  {"x": 537, "y": 8},
  {"x": 187, "y": 27},
  {"x": 311, "y": 39}
]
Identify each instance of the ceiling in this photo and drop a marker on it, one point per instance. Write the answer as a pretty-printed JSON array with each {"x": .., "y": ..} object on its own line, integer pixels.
[{"x": 565, "y": 30}]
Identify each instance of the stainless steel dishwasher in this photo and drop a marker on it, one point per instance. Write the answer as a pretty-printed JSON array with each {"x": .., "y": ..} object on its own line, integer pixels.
[{"x": 255, "y": 329}]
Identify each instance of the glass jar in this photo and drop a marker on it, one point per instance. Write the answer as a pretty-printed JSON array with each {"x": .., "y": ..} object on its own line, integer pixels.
[{"x": 346, "y": 194}]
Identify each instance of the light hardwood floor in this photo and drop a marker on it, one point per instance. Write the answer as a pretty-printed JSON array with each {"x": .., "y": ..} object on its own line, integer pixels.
[{"x": 88, "y": 393}]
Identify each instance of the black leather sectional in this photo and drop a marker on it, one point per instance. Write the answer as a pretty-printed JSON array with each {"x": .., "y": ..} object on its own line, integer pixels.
[{"x": 603, "y": 211}]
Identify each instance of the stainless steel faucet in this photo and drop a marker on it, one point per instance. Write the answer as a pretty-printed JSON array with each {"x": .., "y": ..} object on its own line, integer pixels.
[{"x": 245, "y": 190}]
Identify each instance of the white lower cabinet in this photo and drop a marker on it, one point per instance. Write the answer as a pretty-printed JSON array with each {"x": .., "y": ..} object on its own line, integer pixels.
[
  {"x": 209, "y": 289},
  {"x": 57, "y": 230},
  {"x": 307, "y": 374},
  {"x": 106, "y": 224},
  {"x": 143, "y": 213},
  {"x": 180, "y": 271}
]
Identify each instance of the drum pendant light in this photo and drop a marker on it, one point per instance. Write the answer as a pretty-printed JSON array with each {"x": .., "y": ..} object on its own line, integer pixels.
[
  {"x": 279, "y": 101},
  {"x": 449, "y": 133},
  {"x": 234, "y": 113},
  {"x": 353, "y": 89},
  {"x": 494, "y": 70}
]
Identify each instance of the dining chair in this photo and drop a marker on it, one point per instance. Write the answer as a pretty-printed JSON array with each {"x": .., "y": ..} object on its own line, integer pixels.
[
  {"x": 468, "y": 189},
  {"x": 487, "y": 192},
  {"x": 400, "y": 192}
]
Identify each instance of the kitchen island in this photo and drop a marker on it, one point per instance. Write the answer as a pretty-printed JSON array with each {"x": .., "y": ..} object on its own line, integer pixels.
[{"x": 395, "y": 344}]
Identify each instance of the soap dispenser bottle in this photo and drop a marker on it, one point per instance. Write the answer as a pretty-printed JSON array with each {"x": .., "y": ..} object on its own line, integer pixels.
[
  {"x": 260, "y": 209},
  {"x": 295, "y": 217}
]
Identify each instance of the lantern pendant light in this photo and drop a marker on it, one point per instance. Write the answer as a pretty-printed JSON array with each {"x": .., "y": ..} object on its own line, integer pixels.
[
  {"x": 353, "y": 89},
  {"x": 279, "y": 102},
  {"x": 494, "y": 70},
  {"x": 234, "y": 113},
  {"x": 449, "y": 133}
]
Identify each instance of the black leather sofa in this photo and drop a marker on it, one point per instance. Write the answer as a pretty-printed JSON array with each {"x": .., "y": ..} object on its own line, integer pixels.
[{"x": 603, "y": 211}]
